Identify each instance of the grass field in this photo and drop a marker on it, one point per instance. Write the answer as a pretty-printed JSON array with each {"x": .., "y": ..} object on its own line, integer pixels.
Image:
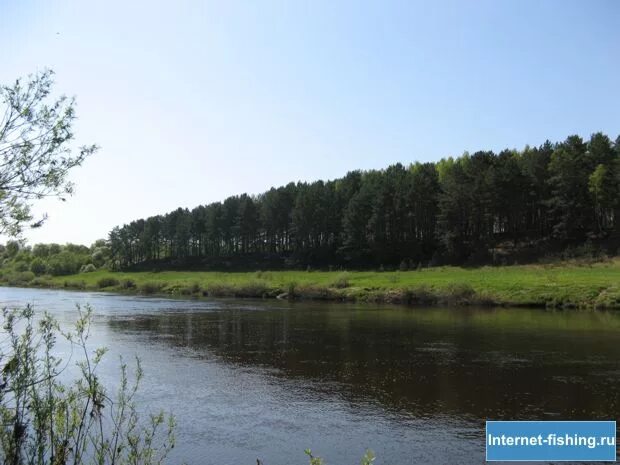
[{"x": 561, "y": 285}]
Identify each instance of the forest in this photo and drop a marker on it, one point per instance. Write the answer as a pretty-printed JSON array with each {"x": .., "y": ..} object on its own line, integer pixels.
[{"x": 480, "y": 208}]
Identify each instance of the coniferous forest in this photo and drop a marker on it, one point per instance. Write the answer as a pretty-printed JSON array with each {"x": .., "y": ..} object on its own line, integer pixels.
[{"x": 478, "y": 208}]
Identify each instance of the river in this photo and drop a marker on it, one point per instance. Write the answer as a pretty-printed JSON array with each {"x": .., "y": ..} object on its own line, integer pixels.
[{"x": 265, "y": 379}]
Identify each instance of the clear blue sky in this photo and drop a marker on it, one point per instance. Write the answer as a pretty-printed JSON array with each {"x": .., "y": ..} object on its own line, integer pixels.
[{"x": 194, "y": 101}]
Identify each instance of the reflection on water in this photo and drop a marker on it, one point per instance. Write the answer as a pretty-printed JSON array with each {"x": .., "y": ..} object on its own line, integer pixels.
[{"x": 268, "y": 379}]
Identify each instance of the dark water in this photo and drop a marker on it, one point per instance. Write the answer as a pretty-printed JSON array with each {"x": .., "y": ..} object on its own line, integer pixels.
[{"x": 268, "y": 379}]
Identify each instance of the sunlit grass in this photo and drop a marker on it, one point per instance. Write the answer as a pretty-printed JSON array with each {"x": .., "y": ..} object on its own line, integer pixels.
[{"x": 566, "y": 284}]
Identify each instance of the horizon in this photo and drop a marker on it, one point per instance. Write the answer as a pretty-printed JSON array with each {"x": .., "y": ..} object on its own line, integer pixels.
[{"x": 202, "y": 102}]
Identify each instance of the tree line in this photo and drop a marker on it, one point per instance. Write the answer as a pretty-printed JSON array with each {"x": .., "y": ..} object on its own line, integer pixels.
[{"x": 476, "y": 208}]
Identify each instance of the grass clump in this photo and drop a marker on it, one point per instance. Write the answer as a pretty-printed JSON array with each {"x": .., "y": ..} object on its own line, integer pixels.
[
  {"x": 459, "y": 294},
  {"x": 42, "y": 281},
  {"x": 314, "y": 292},
  {"x": 107, "y": 282},
  {"x": 254, "y": 288},
  {"x": 192, "y": 289},
  {"x": 250, "y": 289},
  {"x": 70, "y": 284},
  {"x": 127, "y": 284},
  {"x": 150, "y": 287},
  {"x": 183, "y": 289},
  {"x": 220, "y": 290},
  {"x": 342, "y": 281}
]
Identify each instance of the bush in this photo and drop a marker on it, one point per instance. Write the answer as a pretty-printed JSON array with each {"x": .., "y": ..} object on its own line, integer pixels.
[
  {"x": 21, "y": 266},
  {"x": 341, "y": 281},
  {"x": 151, "y": 288},
  {"x": 99, "y": 256},
  {"x": 107, "y": 282},
  {"x": 19, "y": 278},
  {"x": 74, "y": 422},
  {"x": 266, "y": 275},
  {"x": 313, "y": 292},
  {"x": 220, "y": 290},
  {"x": 88, "y": 268},
  {"x": 38, "y": 267},
  {"x": 41, "y": 282},
  {"x": 191, "y": 289},
  {"x": 74, "y": 284},
  {"x": 64, "y": 263},
  {"x": 127, "y": 284},
  {"x": 460, "y": 293},
  {"x": 252, "y": 289},
  {"x": 291, "y": 288},
  {"x": 367, "y": 459},
  {"x": 40, "y": 250}
]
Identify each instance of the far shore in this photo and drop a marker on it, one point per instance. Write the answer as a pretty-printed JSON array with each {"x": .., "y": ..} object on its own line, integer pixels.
[{"x": 561, "y": 285}]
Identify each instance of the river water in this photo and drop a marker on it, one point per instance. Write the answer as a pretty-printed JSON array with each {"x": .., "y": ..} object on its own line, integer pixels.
[{"x": 268, "y": 379}]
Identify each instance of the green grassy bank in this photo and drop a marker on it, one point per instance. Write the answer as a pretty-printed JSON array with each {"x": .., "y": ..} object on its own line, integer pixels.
[{"x": 561, "y": 285}]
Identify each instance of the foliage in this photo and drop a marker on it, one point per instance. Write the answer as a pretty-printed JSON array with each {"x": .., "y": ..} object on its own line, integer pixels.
[
  {"x": 475, "y": 209},
  {"x": 38, "y": 266},
  {"x": 88, "y": 268},
  {"x": 107, "y": 282},
  {"x": 367, "y": 459},
  {"x": 127, "y": 284},
  {"x": 35, "y": 153},
  {"x": 341, "y": 281},
  {"x": 54, "y": 259},
  {"x": 45, "y": 421}
]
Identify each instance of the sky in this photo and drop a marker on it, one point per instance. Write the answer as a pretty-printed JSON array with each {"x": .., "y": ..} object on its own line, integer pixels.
[{"x": 194, "y": 101}]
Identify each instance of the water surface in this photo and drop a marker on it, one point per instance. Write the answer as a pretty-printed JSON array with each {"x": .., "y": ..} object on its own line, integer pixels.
[{"x": 268, "y": 379}]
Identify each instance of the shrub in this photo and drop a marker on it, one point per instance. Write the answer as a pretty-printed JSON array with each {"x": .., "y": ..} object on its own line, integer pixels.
[
  {"x": 107, "y": 282},
  {"x": 252, "y": 289},
  {"x": 38, "y": 267},
  {"x": 220, "y": 290},
  {"x": 41, "y": 282},
  {"x": 19, "y": 278},
  {"x": 404, "y": 266},
  {"x": 74, "y": 284},
  {"x": 88, "y": 268},
  {"x": 367, "y": 459},
  {"x": 127, "y": 284},
  {"x": 151, "y": 288},
  {"x": 291, "y": 287},
  {"x": 266, "y": 275},
  {"x": 460, "y": 293},
  {"x": 99, "y": 256},
  {"x": 77, "y": 421},
  {"x": 317, "y": 293},
  {"x": 21, "y": 266},
  {"x": 193, "y": 288},
  {"x": 64, "y": 263},
  {"x": 341, "y": 281},
  {"x": 421, "y": 295}
]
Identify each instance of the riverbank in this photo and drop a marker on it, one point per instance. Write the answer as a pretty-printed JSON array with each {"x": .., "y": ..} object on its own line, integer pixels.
[{"x": 568, "y": 284}]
